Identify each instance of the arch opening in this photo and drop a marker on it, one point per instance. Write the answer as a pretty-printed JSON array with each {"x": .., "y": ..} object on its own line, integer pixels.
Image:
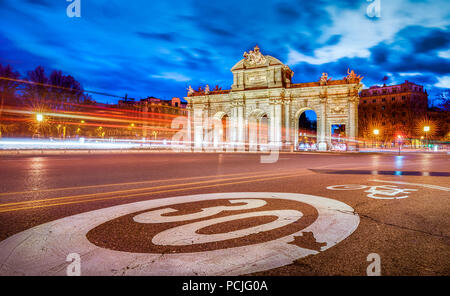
[
  {"x": 258, "y": 131},
  {"x": 221, "y": 130},
  {"x": 306, "y": 130}
]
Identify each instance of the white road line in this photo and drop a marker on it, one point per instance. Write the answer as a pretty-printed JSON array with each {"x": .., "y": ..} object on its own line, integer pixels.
[{"x": 416, "y": 184}]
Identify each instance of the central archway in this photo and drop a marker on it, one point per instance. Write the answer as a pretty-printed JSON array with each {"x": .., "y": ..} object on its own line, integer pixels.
[
  {"x": 305, "y": 134},
  {"x": 258, "y": 130},
  {"x": 221, "y": 129}
]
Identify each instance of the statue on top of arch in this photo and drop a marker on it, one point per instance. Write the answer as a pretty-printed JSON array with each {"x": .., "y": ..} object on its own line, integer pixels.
[
  {"x": 324, "y": 78},
  {"x": 190, "y": 91},
  {"x": 352, "y": 77},
  {"x": 254, "y": 57}
]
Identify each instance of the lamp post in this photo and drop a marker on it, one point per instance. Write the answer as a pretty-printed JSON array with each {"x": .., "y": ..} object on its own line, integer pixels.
[
  {"x": 399, "y": 143},
  {"x": 39, "y": 119},
  {"x": 155, "y": 133},
  {"x": 426, "y": 129},
  {"x": 376, "y": 132}
]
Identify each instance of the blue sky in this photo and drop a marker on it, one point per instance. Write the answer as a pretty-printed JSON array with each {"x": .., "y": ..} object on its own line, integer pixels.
[{"x": 158, "y": 48}]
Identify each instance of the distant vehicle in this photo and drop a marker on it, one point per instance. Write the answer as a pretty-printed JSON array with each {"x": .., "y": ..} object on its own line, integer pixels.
[
  {"x": 339, "y": 147},
  {"x": 307, "y": 147}
]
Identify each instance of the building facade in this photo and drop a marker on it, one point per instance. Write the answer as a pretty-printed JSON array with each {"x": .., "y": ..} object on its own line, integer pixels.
[
  {"x": 151, "y": 117},
  {"x": 263, "y": 106},
  {"x": 394, "y": 111}
]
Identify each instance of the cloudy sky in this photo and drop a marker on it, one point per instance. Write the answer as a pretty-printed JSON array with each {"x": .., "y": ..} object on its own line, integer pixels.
[{"x": 158, "y": 48}]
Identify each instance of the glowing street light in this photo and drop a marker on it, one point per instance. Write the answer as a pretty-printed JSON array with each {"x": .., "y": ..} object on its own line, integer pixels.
[
  {"x": 376, "y": 132},
  {"x": 426, "y": 129},
  {"x": 39, "y": 117}
]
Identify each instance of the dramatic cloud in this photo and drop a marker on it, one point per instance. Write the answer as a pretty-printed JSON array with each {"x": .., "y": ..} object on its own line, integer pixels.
[{"x": 157, "y": 48}]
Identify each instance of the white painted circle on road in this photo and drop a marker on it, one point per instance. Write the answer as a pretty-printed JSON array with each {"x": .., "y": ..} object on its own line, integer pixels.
[{"x": 42, "y": 250}]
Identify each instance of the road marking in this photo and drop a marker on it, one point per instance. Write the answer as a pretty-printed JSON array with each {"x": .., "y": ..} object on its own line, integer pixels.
[
  {"x": 415, "y": 184},
  {"x": 82, "y": 200},
  {"x": 376, "y": 192},
  {"x": 119, "y": 184},
  {"x": 42, "y": 250}
]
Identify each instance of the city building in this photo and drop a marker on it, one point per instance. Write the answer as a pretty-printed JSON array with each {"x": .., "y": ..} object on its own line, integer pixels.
[
  {"x": 388, "y": 113},
  {"x": 152, "y": 116}
]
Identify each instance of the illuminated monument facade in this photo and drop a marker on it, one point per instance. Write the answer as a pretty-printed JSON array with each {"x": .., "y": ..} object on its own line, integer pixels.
[{"x": 263, "y": 107}]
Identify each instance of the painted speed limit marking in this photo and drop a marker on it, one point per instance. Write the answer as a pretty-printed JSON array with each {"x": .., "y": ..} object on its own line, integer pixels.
[{"x": 208, "y": 234}]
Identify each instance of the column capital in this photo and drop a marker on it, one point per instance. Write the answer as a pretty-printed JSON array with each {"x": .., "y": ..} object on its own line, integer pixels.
[
  {"x": 276, "y": 101},
  {"x": 237, "y": 103}
]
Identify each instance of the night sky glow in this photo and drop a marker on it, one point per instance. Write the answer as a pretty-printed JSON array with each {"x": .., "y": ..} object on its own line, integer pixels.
[{"x": 158, "y": 48}]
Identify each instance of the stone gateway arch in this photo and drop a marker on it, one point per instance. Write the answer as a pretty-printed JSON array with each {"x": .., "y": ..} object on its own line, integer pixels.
[{"x": 263, "y": 107}]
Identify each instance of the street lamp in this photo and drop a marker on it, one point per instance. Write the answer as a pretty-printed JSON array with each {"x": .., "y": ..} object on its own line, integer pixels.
[
  {"x": 426, "y": 129},
  {"x": 155, "y": 133},
  {"x": 399, "y": 137},
  {"x": 39, "y": 117},
  {"x": 376, "y": 132}
]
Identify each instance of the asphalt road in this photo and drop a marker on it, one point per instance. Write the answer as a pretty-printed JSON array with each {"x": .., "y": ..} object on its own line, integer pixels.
[{"x": 406, "y": 223}]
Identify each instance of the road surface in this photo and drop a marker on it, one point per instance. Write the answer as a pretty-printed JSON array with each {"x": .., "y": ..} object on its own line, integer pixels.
[{"x": 226, "y": 214}]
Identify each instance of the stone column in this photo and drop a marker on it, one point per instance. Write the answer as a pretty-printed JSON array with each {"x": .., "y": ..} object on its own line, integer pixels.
[
  {"x": 189, "y": 127},
  {"x": 272, "y": 123},
  {"x": 322, "y": 143},
  {"x": 352, "y": 122},
  {"x": 198, "y": 128},
  {"x": 233, "y": 127},
  {"x": 218, "y": 129},
  {"x": 240, "y": 125},
  {"x": 277, "y": 123},
  {"x": 287, "y": 115},
  {"x": 253, "y": 133}
]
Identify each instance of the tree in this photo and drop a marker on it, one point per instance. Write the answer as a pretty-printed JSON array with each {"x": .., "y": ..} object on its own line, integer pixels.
[
  {"x": 36, "y": 91},
  {"x": 8, "y": 88},
  {"x": 66, "y": 90}
]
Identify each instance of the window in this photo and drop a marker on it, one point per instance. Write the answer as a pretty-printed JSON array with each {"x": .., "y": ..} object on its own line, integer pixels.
[
  {"x": 383, "y": 99},
  {"x": 403, "y": 98},
  {"x": 365, "y": 101},
  {"x": 403, "y": 113},
  {"x": 176, "y": 104},
  {"x": 374, "y": 101},
  {"x": 383, "y": 107},
  {"x": 393, "y": 99}
]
